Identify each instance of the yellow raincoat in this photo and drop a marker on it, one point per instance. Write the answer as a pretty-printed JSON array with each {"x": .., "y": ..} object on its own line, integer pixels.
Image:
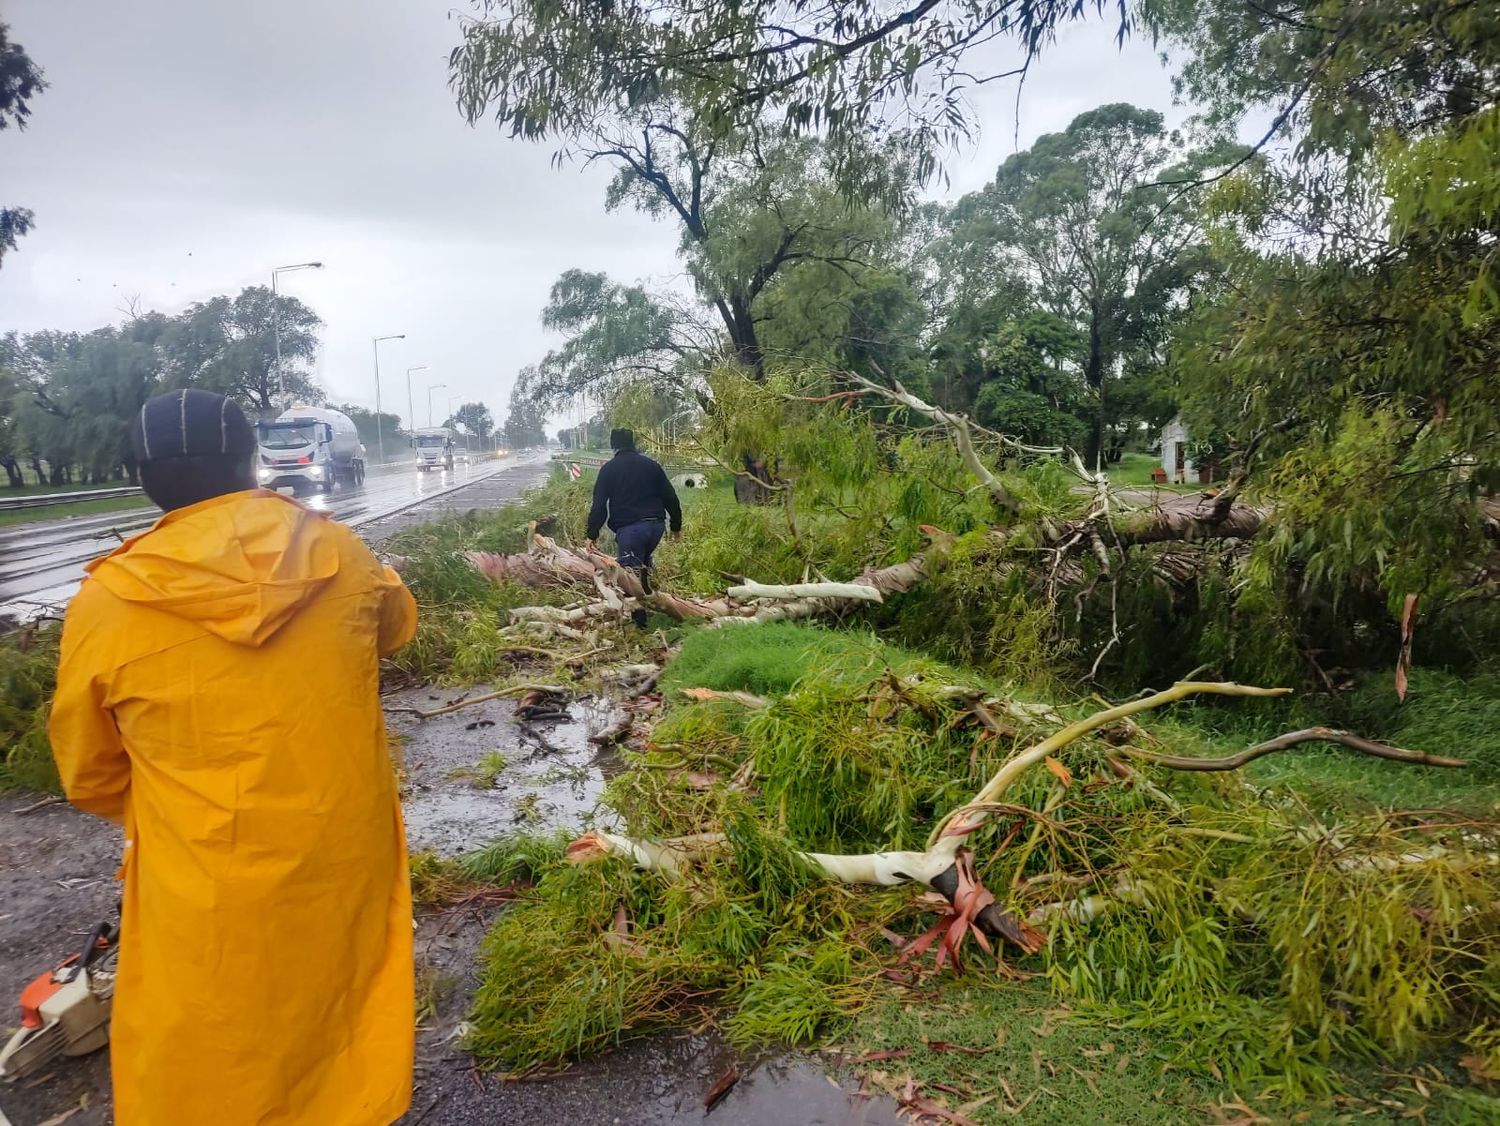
[{"x": 218, "y": 694}]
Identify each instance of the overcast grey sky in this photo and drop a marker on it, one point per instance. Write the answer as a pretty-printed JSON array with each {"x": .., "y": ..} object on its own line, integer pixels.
[{"x": 186, "y": 147}]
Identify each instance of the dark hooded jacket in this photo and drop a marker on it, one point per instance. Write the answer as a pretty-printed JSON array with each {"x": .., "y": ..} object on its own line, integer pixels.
[{"x": 631, "y": 488}]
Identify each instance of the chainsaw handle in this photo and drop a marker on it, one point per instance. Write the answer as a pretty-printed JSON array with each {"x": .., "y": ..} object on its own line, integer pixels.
[{"x": 100, "y": 939}]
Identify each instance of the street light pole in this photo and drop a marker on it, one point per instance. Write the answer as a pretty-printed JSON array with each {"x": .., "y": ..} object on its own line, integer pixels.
[
  {"x": 411, "y": 411},
  {"x": 276, "y": 313},
  {"x": 431, "y": 387},
  {"x": 379, "y": 430}
]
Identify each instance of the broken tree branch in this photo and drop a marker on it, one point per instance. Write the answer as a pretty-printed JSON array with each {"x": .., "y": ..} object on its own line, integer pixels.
[
  {"x": 958, "y": 425},
  {"x": 1289, "y": 740},
  {"x": 513, "y": 690},
  {"x": 939, "y": 866},
  {"x": 853, "y": 591}
]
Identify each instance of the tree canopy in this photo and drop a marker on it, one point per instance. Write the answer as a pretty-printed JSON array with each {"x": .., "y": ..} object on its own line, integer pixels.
[
  {"x": 473, "y": 419},
  {"x": 66, "y": 398},
  {"x": 229, "y": 345},
  {"x": 842, "y": 70}
]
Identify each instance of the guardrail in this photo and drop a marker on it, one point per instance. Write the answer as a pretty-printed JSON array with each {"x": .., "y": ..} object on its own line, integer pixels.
[
  {"x": 46, "y": 500},
  {"x": 596, "y": 460}
]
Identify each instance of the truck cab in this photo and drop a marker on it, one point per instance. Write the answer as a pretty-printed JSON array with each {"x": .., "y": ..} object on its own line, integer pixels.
[
  {"x": 309, "y": 450},
  {"x": 435, "y": 448}
]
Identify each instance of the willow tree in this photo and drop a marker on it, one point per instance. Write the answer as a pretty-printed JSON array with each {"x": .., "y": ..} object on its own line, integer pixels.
[{"x": 614, "y": 335}]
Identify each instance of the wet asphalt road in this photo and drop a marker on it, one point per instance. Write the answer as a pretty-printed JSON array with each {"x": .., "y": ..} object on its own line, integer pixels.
[{"x": 41, "y": 563}]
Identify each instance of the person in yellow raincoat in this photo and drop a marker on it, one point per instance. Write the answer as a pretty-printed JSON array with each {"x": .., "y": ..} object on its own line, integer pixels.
[{"x": 218, "y": 696}]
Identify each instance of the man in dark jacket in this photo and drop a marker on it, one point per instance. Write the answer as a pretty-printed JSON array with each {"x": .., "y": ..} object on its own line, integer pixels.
[{"x": 633, "y": 495}]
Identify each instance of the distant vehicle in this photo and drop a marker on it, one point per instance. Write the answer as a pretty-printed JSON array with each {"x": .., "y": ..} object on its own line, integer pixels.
[
  {"x": 435, "y": 448},
  {"x": 311, "y": 449},
  {"x": 461, "y": 453}
]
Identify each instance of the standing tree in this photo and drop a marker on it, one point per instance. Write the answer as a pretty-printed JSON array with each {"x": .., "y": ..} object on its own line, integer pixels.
[
  {"x": 228, "y": 345},
  {"x": 615, "y": 334},
  {"x": 749, "y": 202},
  {"x": 1084, "y": 218},
  {"x": 388, "y": 430},
  {"x": 475, "y": 420},
  {"x": 526, "y": 422},
  {"x": 78, "y": 393},
  {"x": 20, "y": 81},
  {"x": 10, "y": 436}
]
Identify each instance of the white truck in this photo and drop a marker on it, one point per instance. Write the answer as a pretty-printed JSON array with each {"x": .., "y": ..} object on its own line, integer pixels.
[
  {"x": 310, "y": 449},
  {"x": 435, "y": 448}
]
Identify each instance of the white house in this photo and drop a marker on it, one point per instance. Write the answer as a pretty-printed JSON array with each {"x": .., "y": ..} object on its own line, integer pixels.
[{"x": 1174, "y": 452}]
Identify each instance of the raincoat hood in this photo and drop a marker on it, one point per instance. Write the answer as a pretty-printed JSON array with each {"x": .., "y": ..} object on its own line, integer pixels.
[{"x": 240, "y": 566}]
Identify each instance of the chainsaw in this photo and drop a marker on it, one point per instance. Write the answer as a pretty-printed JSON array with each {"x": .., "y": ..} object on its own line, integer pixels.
[{"x": 65, "y": 1012}]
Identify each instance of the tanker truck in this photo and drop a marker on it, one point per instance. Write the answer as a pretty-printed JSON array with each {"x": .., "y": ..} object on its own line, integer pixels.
[{"x": 309, "y": 449}]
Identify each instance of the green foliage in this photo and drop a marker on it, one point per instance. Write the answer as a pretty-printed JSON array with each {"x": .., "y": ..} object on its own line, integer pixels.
[
  {"x": 569, "y": 72},
  {"x": 28, "y": 672},
  {"x": 1228, "y": 926},
  {"x": 67, "y": 398},
  {"x": 374, "y": 432},
  {"x": 797, "y": 1001},
  {"x": 526, "y": 419},
  {"x": 514, "y": 859},
  {"x": 474, "y": 420},
  {"x": 846, "y": 772},
  {"x": 20, "y": 81},
  {"x": 616, "y": 333},
  {"x": 229, "y": 345},
  {"x": 1442, "y": 714},
  {"x": 1315, "y": 949},
  {"x": 1371, "y": 70},
  {"x": 1113, "y": 252},
  {"x": 770, "y": 659},
  {"x": 483, "y": 774},
  {"x": 1353, "y": 355}
]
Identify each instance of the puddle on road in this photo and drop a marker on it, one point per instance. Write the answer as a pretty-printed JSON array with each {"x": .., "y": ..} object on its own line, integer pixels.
[
  {"x": 551, "y": 779},
  {"x": 661, "y": 1081},
  {"x": 666, "y": 1077}
]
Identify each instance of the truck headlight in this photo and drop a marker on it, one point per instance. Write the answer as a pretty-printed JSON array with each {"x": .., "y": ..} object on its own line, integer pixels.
[
  {"x": 315, "y": 471},
  {"x": 264, "y": 474}
]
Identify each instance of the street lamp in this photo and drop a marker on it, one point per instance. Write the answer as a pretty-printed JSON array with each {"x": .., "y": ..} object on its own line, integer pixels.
[
  {"x": 379, "y": 432},
  {"x": 276, "y": 312},
  {"x": 431, "y": 387},
  {"x": 411, "y": 411}
]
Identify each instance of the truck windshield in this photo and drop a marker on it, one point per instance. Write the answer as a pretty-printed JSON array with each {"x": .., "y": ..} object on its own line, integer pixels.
[
  {"x": 287, "y": 436},
  {"x": 429, "y": 441}
]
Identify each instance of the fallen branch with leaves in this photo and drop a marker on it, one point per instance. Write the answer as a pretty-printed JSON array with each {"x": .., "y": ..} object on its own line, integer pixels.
[{"x": 945, "y": 865}]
